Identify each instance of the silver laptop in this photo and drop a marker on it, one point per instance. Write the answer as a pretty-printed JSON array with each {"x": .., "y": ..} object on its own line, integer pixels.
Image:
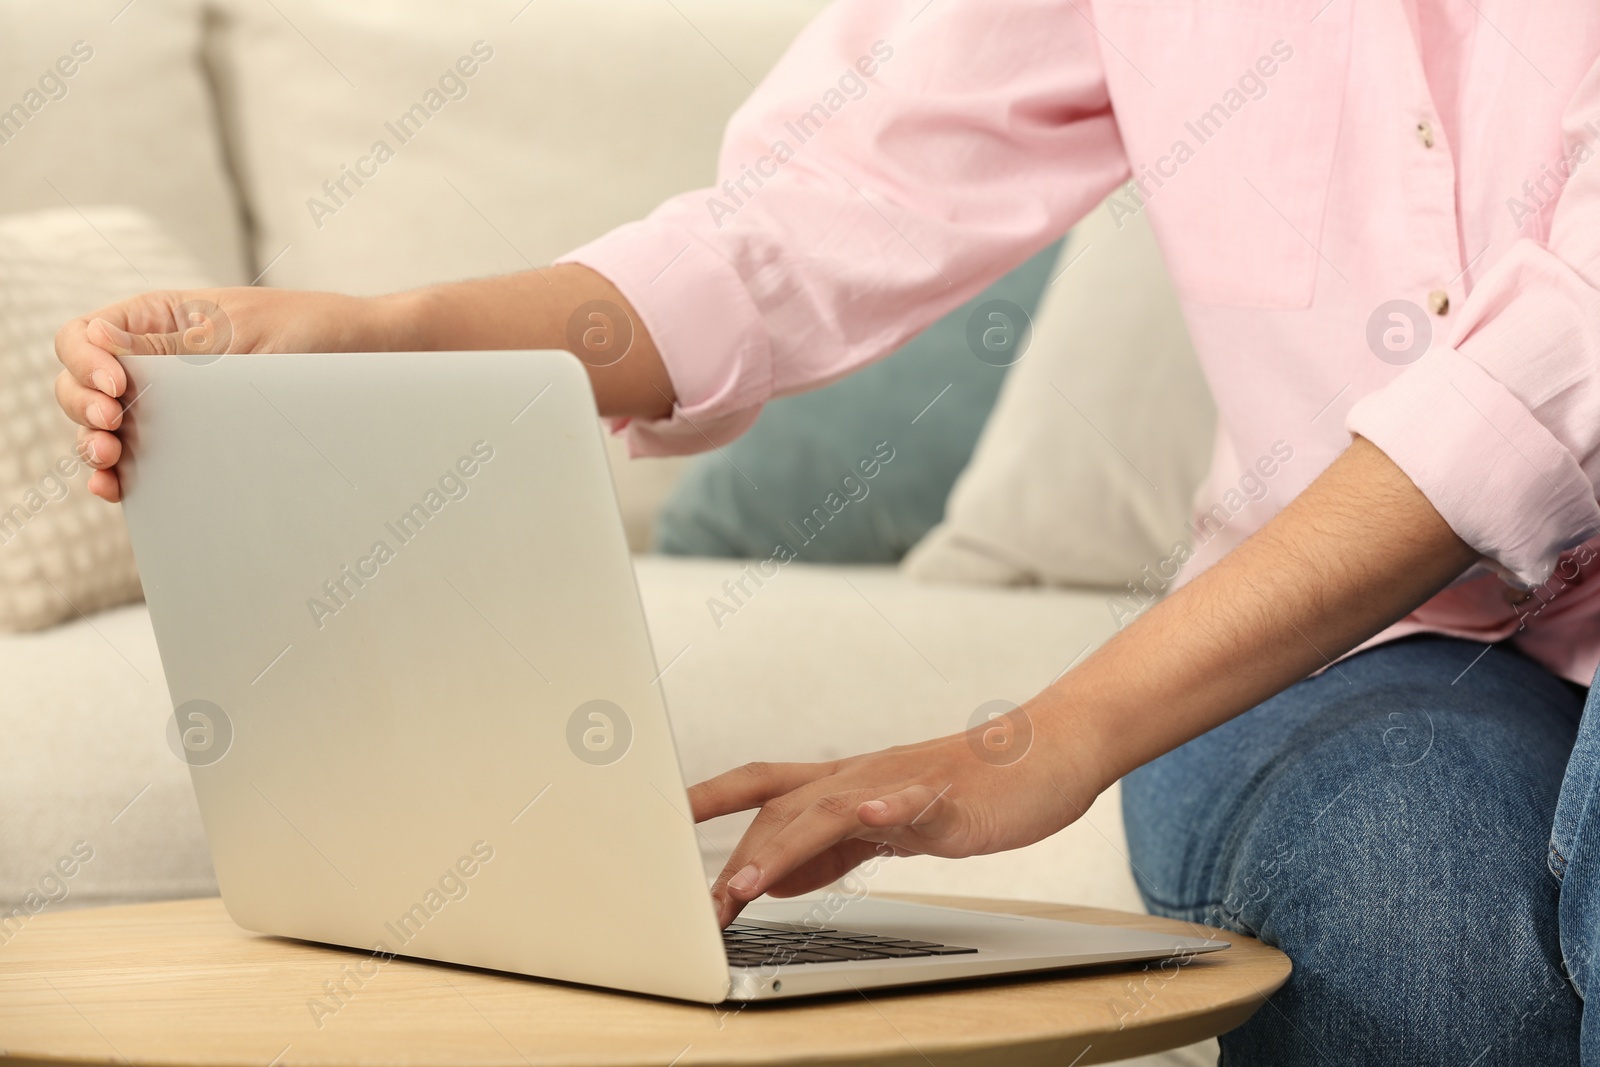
[{"x": 413, "y": 683}]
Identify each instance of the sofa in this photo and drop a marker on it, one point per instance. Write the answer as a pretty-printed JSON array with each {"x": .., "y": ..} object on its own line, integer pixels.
[{"x": 231, "y": 126}]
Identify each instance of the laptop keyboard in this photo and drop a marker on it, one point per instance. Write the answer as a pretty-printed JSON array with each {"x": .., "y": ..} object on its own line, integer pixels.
[{"x": 755, "y": 946}]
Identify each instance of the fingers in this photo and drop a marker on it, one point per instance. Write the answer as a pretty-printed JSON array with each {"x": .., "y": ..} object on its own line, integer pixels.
[
  {"x": 920, "y": 810},
  {"x": 101, "y": 451},
  {"x": 97, "y": 415},
  {"x": 106, "y": 485},
  {"x": 87, "y": 389},
  {"x": 92, "y": 382},
  {"x": 829, "y": 867},
  {"x": 763, "y": 860},
  {"x": 144, "y": 325},
  {"x": 90, "y": 364},
  {"x": 98, "y": 448},
  {"x": 85, "y": 405},
  {"x": 786, "y": 852},
  {"x": 119, "y": 342},
  {"x": 751, "y": 786}
]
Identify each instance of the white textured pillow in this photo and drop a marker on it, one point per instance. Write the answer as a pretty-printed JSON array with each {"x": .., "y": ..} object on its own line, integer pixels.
[
  {"x": 1086, "y": 468},
  {"x": 63, "y": 552},
  {"x": 106, "y": 102}
]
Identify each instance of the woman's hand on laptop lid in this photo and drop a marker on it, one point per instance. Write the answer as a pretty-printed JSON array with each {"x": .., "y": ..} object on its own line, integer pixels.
[
  {"x": 92, "y": 386},
  {"x": 533, "y": 309},
  {"x": 1007, "y": 782}
]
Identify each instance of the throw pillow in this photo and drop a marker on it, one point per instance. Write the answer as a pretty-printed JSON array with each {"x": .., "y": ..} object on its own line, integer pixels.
[
  {"x": 1086, "y": 470},
  {"x": 858, "y": 471},
  {"x": 63, "y": 553}
]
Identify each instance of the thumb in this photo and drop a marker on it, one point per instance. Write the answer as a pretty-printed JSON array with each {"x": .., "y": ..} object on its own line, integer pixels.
[
  {"x": 917, "y": 813},
  {"x": 120, "y": 342},
  {"x": 199, "y": 327}
]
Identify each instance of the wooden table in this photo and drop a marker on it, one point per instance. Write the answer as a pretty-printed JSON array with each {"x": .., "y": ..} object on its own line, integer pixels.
[{"x": 179, "y": 983}]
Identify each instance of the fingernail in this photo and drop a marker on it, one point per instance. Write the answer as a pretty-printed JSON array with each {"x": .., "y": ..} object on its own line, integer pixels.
[
  {"x": 94, "y": 455},
  {"x": 118, "y": 338},
  {"x": 745, "y": 880},
  {"x": 103, "y": 382},
  {"x": 878, "y": 807},
  {"x": 96, "y": 413}
]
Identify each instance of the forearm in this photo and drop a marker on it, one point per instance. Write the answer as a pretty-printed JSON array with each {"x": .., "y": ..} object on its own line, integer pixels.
[
  {"x": 1357, "y": 551},
  {"x": 536, "y": 309}
]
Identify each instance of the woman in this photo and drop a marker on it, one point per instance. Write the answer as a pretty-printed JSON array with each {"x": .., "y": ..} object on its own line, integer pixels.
[{"x": 1380, "y": 220}]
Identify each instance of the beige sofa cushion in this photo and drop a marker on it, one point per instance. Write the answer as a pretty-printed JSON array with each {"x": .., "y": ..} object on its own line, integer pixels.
[
  {"x": 540, "y": 126},
  {"x": 1086, "y": 468},
  {"x": 62, "y": 552},
  {"x": 132, "y": 123},
  {"x": 821, "y": 662}
]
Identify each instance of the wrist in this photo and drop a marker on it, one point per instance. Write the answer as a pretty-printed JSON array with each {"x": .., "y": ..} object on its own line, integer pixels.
[
  {"x": 1075, "y": 740},
  {"x": 397, "y": 322}
]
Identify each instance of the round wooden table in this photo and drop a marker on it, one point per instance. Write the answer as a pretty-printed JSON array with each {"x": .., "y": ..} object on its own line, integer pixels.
[{"x": 178, "y": 983}]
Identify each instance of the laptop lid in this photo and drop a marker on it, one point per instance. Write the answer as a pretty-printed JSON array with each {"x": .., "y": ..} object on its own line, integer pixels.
[{"x": 411, "y": 674}]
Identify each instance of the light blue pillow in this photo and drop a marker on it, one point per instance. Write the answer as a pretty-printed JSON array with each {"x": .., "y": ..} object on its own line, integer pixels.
[{"x": 859, "y": 470}]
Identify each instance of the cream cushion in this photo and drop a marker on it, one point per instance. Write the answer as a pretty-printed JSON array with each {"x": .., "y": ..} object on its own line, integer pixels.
[
  {"x": 1086, "y": 468},
  {"x": 62, "y": 552},
  {"x": 821, "y": 662},
  {"x": 577, "y": 116},
  {"x": 133, "y": 124}
]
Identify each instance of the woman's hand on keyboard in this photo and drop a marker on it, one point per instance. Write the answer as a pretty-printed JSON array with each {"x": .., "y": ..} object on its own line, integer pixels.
[{"x": 1006, "y": 783}]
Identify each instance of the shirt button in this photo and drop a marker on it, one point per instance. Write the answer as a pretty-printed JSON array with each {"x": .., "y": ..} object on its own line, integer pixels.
[
  {"x": 1425, "y": 134},
  {"x": 1439, "y": 302},
  {"x": 1517, "y": 597}
]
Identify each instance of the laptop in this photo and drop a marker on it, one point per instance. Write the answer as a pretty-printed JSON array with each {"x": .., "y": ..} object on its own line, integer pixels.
[{"x": 422, "y": 715}]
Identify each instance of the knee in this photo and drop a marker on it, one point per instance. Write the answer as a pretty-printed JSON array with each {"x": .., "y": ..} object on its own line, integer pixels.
[
  {"x": 1404, "y": 876},
  {"x": 1405, "y": 825}
]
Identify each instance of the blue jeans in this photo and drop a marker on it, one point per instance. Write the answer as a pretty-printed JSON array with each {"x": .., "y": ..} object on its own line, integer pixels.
[{"x": 1412, "y": 827}]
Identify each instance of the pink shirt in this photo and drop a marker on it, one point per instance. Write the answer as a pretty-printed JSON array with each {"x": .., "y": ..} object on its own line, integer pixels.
[{"x": 1303, "y": 162}]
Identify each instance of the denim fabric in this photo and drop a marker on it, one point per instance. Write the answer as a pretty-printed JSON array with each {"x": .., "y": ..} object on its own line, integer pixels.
[
  {"x": 1575, "y": 860},
  {"x": 1392, "y": 825}
]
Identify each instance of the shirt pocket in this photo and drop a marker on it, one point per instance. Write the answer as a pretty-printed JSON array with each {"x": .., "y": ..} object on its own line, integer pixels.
[{"x": 1229, "y": 111}]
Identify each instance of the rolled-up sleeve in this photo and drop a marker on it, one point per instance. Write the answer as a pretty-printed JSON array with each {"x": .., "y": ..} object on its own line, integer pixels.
[
  {"x": 1500, "y": 428},
  {"x": 897, "y": 159}
]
